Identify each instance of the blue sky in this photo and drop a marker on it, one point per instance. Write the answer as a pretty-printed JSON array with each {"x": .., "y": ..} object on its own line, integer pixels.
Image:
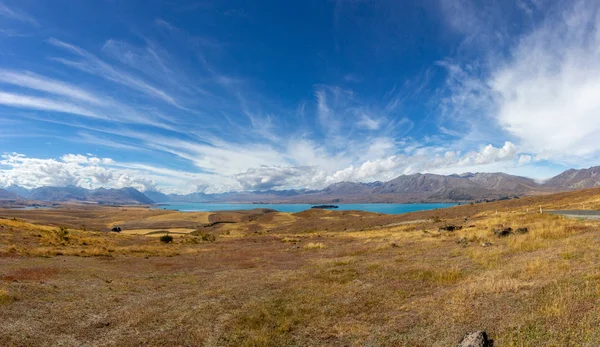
[{"x": 216, "y": 96}]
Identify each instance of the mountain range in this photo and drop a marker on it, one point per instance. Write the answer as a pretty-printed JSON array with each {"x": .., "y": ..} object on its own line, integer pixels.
[
  {"x": 122, "y": 196},
  {"x": 402, "y": 189}
]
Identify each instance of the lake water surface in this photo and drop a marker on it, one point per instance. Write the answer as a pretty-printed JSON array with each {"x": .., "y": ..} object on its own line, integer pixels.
[{"x": 378, "y": 208}]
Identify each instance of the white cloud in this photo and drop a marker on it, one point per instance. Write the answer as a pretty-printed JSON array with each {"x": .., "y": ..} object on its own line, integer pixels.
[
  {"x": 368, "y": 122},
  {"x": 548, "y": 92},
  {"x": 269, "y": 177},
  {"x": 541, "y": 92},
  {"x": 92, "y": 172},
  {"x": 386, "y": 168},
  {"x": 524, "y": 159},
  {"x": 490, "y": 154},
  {"x": 77, "y": 170}
]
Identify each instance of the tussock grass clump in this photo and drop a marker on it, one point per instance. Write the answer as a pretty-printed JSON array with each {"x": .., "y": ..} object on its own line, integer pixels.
[
  {"x": 438, "y": 276},
  {"x": 290, "y": 239},
  {"x": 5, "y": 297},
  {"x": 62, "y": 234},
  {"x": 267, "y": 323},
  {"x": 339, "y": 274},
  {"x": 495, "y": 283},
  {"x": 208, "y": 237},
  {"x": 314, "y": 245},
  {"x": 204, "y": 236}
]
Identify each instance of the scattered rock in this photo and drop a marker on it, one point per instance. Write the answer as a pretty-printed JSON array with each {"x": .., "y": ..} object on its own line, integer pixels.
[
  {"x": 462, "y": 241},
  {"x": 486, "y": 244},
  {"x": 394, "y": 244},
  {"x": 450, "y": 228},
  {"x": 475, "y": 339},
  {"x": 100, "y": 325},
  {"x": 503, "y": 232},
  {"x": 522, "y": 231}
]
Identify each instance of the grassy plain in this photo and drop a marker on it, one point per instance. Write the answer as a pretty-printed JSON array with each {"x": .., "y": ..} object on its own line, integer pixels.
[{"x": 335, "y": 278}]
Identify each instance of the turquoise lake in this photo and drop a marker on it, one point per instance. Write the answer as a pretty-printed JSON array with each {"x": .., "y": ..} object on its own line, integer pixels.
[{"x": 378, "y": 208}]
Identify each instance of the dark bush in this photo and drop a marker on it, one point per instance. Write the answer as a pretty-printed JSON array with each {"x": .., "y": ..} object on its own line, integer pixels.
[{"x": 166, "y": 238}]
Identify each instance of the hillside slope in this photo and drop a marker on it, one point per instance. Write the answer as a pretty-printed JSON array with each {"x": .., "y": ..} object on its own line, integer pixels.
[{"x": 6, "y": 195}]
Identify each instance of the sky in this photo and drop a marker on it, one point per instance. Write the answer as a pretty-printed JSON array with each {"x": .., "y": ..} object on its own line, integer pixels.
[{"x": 217, "y": 96}]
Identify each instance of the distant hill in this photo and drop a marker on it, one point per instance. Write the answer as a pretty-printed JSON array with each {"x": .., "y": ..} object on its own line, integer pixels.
[
  {"x": 502, "y": 182},
  {"x": 6, "y": 195},
  {"x": 576, "y": 179},
  {"x": 20, "y": 191},
  {"x": 402, "y": 189},
  {"x": 351, "y": 188},
  {"x": 100, "y": 195},
  {"x": 69, "y": 193},
  {"x": 119, "y": 196},
  {"x": 157, "y": 197}
]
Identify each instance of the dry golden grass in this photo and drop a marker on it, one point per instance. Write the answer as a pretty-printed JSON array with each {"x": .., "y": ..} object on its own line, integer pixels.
[
  {"x": 5, "y": 296},
  {"x": 314, "y": 278},
  {"x": 314, "y": 245},
  {"x": 159, "y": 232}
]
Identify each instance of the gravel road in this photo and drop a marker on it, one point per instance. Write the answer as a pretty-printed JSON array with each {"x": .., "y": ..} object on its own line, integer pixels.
[{"x": 585, "y": 214}]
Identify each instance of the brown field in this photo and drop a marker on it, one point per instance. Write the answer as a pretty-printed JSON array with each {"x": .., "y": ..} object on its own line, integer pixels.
[{"x": 315, "y": 278}]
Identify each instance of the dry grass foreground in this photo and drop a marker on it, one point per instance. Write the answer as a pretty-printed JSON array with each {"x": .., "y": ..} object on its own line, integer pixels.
[{"x": 312, "y": 278}]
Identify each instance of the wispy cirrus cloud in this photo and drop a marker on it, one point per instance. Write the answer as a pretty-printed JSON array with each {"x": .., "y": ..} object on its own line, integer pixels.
[
  {"x": 93, "y": 65},
  {"x": 54, "y": 95},
  {"x": 18, "y": 15},
  {"x": 44, "y": 104},
  {"x": 33, "y": 81}
]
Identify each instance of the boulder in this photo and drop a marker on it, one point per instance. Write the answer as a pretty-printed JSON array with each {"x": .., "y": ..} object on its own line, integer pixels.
[
  {"x": 475, "y": 339},
  {"x": 522, "y": 231},
  {"x": 503, "y": 232},
  {"x": 463, "y": 241},
  {"x": 450, "y": 228}
]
